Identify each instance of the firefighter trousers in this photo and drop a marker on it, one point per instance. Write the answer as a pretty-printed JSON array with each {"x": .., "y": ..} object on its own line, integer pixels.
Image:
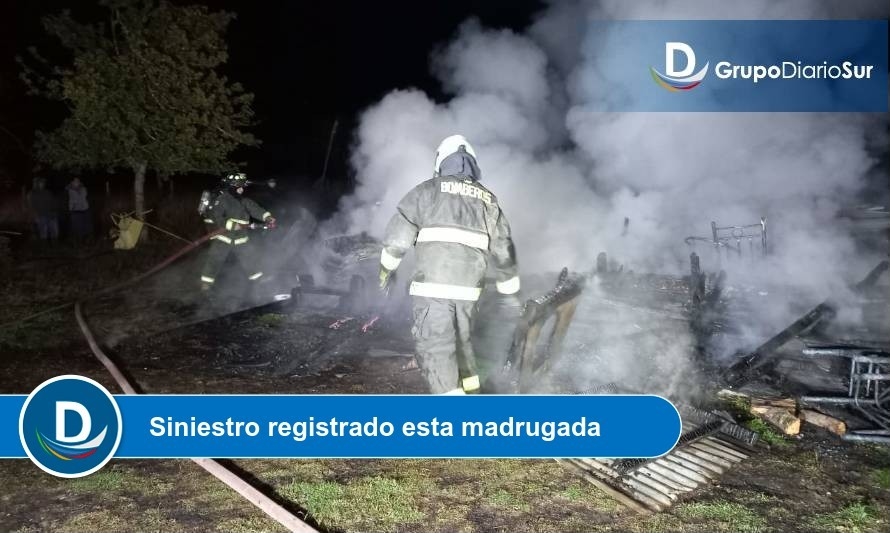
[
  {"x": 219, "y": 252},
  {"x": 442, "y": 330}
]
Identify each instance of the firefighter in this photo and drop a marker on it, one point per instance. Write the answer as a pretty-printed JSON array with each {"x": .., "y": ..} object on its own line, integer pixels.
[
  {"x": 457, "y": 228},
  {"x": 231, "y": 211}
]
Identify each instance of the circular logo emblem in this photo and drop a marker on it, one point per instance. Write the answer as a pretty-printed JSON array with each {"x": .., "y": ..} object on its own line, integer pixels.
[{"x": 70, "y": 426}]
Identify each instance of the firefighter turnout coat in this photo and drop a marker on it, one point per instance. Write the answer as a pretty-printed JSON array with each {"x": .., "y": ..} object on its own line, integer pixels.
[
  {"x": 456, "y": 226},
  {"x": 231, "y": 214},
  {"x": 457, "y": 229}
]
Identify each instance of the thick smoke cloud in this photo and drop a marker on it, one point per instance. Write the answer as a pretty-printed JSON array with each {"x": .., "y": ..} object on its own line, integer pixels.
[{"x": 567, "y": 175}]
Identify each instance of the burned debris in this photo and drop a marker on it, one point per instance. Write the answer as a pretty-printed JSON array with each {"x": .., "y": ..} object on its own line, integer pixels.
[
  {"x": 549, "y": 349},
  {"x": 727, "y": 241},
  {"x": 760, "y": 358},
  {"x": 559, "y": 303},
  {"x": 347, "y": 262},
  {"x": 868, "y": 393}
]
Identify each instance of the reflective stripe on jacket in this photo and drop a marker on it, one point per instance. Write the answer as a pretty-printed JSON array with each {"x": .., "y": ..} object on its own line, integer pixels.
[{"x": 229, "y": 212}]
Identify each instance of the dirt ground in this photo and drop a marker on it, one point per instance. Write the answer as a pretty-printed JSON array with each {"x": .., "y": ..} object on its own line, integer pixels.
[{"x": 171, "y": 340}]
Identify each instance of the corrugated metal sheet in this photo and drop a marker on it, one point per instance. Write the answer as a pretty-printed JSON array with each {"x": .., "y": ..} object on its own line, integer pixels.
[{"x": 706, "y": 451}]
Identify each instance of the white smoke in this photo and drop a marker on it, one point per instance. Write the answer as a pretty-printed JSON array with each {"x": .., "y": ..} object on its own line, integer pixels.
[
  {"x": 669, "y": 173},
  {"x": 567, "y": 175}
]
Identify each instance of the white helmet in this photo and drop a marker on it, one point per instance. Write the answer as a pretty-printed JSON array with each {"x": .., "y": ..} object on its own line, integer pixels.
[{"x": 450, "y": 146}]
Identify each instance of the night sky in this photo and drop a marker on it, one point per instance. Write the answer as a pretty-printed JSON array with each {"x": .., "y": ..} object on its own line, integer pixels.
[{"x": 308, "y": 63}]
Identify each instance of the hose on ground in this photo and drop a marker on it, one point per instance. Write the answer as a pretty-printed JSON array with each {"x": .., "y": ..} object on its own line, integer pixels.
[{"x": 266, "y": 504}]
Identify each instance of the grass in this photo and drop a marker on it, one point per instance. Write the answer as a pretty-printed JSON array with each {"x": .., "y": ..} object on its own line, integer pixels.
[
  {"x": 370, "y": 503},
  {"x": 117, "y": 480},
  {"x": 881, "y": 477},
  {"x": 34, "y": 285},
  {"x": 271, "y": 319},
  {"x": 654, "y": 523},
  {"x": 766, "y": 433},
  {"x": 93, "y": 521},
  {"x": 405, "y": 495},
  {"x": 440, "y": 495},
  {"x": 730, "y": 516},
  {"x": 573, "y": 493},
  {"x": 856, "y": 517},
  {"x": 503, "y": 499},
  {"x": 102, "y": 481},
  {"x": 246, "y": 525},
  {"x": 27, "y": 335},
  {"x": 154, "y": 520},
  {"x": 740, "y": 408},
  {"x": 520, "y": 484},
  {"x": 759, "y": 497}
]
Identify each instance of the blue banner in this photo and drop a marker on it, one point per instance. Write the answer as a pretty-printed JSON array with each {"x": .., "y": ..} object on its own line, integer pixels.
[
  {"x": 737, "y": 65},
  {"x": 341, "y": 426}
]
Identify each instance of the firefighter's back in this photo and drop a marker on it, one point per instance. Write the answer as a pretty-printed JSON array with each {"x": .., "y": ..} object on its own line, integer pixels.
[{"x": 457, "y": 218}]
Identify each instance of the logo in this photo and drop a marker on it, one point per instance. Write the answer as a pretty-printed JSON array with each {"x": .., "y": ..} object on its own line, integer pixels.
[
  {"x": 70, "y": 426},
  {"x": 679, "y": 80}
]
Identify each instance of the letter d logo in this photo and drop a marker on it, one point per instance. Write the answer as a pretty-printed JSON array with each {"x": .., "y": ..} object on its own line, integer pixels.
[
  {"x": 670, "y": 51},
  {"x": 678, "y": 80},
  {"x": 62, "y": 408},
  {"x": 65, "y": 426}
]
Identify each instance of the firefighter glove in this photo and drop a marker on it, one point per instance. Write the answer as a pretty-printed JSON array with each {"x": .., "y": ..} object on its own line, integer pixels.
[{"x": 385, "y": 279}]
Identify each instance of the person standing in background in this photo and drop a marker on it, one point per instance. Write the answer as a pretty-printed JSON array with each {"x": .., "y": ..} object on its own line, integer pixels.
[
  {"x": 79, "y": 208},
  {"x": 45, "y": 208}
]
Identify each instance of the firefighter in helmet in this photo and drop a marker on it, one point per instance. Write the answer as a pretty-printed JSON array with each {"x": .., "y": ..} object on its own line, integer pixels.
[
  {"x": 231, "y": 212},
  {"x": 457, "y": 229}
]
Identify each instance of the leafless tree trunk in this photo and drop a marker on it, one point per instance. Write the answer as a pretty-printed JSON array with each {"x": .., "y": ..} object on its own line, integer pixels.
[{"x": 139, "y": 188}]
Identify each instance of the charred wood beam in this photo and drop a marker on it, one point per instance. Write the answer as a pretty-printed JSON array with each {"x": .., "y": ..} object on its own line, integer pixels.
[
  {"x": 745, "y": 369},
  {"x": 696, "y": 281},
  {"x": 873, "y": 276},
  {"x": 561, "y": 301},
  {"x": 703, "y": 316},
  {"x": 762, "y": 358}
]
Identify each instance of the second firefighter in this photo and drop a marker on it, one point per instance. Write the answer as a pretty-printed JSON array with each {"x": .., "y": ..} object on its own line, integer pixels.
[{"x": 230, "y": 213}]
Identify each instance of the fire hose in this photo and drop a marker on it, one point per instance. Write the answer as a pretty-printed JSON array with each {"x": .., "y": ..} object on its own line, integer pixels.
[{"x": 217, "y": 469}]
